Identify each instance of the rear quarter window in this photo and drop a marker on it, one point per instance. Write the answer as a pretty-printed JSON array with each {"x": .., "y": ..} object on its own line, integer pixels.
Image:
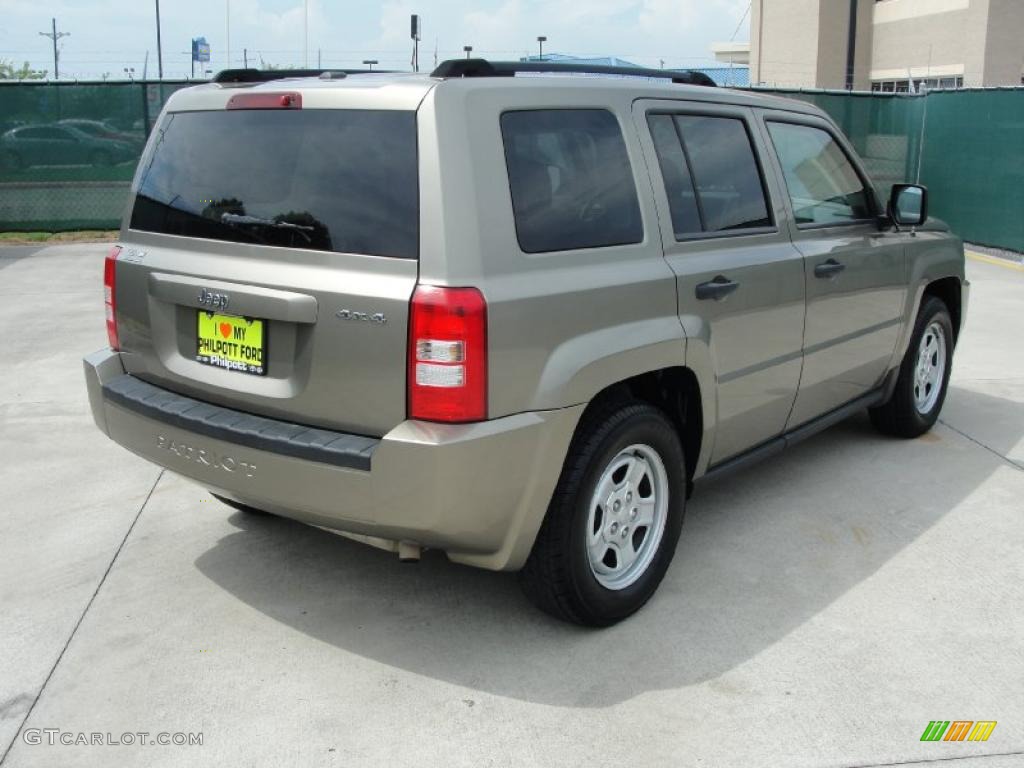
[
  {"x": 571, "y": 181},
  {"x": 330, "y": 180}
]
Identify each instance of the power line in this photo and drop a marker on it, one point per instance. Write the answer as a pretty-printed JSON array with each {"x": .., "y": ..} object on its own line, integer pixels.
[{"x": 742, "y": 19}]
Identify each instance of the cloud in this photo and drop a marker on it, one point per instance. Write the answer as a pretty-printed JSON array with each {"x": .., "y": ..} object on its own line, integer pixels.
[{"x": 394, "y": 22}]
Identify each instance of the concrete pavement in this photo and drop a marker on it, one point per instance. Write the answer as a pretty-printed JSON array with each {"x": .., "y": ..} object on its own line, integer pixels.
[{"x": 822, "y": 608}]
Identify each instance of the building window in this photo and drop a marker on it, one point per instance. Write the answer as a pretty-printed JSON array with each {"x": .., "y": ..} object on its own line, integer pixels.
[{"x": 920, "y": 84}]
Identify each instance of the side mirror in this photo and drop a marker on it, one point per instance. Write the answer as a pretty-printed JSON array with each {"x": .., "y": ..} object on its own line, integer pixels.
[{"x": 908, "y": 205}]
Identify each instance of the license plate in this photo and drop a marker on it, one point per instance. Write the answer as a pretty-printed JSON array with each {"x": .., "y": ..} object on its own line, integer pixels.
[{"x": 231, "y": 342}]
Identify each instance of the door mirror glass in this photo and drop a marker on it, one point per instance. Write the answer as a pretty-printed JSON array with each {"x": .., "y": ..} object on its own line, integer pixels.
[{"x": 908, "y": 205}]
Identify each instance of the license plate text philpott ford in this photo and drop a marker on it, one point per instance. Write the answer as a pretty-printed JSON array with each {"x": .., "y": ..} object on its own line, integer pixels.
[{"x": 231, "y": 342}]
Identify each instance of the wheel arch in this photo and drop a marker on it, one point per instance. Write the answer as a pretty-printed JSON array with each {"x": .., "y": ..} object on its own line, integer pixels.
[
  {"x": 949, "y": 291},
  {"x": 675, "y": 391}
]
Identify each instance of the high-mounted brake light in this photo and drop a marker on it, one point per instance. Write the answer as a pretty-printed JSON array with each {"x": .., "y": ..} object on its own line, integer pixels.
[
  {"x": 290, "y": 100},
  {"x": 447, "y": 378},
  {"x": 110, "y": 295}
]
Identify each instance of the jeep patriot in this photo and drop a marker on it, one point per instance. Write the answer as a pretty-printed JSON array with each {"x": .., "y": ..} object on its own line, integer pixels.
[{"x": 508, "y": 312}]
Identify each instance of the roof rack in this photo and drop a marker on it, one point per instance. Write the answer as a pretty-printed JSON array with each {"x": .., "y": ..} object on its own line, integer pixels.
[
  {"x": 267, "y": 75},
  {"x": 485, "y": 68}
]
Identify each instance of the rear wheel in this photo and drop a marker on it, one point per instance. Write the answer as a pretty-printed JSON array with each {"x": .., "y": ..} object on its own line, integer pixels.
[
  {"x": 614, "y": 519},
  {"x": 238, "y": 505},
  {"x": 924, "y": 375}
]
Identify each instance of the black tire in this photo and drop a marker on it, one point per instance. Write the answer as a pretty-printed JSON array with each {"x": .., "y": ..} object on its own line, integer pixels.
[
  {"x": 557, "y": 576},
  {"x": 239, "y": 505},
  {"x": 900, "y": 416}
]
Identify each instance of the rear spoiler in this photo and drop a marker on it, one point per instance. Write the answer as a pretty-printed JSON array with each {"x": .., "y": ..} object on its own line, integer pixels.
[{"x": 267, "y": 75}]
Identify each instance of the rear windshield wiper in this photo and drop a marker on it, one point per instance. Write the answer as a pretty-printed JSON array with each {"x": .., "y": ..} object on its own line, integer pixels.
[{"x": 237, "y": 218}]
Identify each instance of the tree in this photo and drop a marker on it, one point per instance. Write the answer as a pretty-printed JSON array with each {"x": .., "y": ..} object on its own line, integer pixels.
[
  {"x": 9, "y": 72},
  {"x": 266, "y": 65}
]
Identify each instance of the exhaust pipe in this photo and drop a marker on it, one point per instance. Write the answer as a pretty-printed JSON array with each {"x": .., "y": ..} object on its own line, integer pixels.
[{"x": 408, "y": 552}]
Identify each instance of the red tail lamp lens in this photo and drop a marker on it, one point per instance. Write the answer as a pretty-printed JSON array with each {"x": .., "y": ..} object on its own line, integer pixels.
[
  {"x": 447, "y": 377},
  {"x": 110, "y": 296}
]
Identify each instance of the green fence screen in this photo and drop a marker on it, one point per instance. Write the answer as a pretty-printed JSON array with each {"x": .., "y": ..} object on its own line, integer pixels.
[
  {"x": 966, "y": 146},
  {"x": 68, "y": 151}
]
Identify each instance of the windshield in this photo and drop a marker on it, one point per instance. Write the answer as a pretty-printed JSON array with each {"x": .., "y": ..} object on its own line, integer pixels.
[{"x": 330, "y": 180}]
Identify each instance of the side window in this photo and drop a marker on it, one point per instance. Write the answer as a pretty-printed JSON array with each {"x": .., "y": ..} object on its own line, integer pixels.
[
  {"x": 571, "y": 182},
  {"x": 711, "y": 174},
  {"x": 682, "y": 196},
  {"x": 59, "y": 134},
  {"x": 823, "y": 185}
]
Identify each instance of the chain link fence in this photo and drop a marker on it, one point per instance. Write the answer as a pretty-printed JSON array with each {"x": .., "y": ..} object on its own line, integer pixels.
[{"x": 68, "y": 151}]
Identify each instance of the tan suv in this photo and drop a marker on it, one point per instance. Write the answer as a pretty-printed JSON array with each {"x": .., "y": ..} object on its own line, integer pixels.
[{"x": 511, "y": 315}]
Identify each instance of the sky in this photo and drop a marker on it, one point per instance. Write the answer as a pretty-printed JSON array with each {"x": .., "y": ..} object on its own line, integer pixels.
[{"x": 108, "y": 36}]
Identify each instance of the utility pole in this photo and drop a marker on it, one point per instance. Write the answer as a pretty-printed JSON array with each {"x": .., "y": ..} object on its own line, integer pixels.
[
  {"x": 227, "y": 18},
  {"x": 55, "y": 36},
  {"x": 159, "y": 48},
  {"x": 415, "y": 34},
  {"x": 245, "y": 58},
  {"x": 851, "y": 47}
]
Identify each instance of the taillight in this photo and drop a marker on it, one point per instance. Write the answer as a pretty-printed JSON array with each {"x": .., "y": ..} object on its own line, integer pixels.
[
  {"x": 447, "y": 354},
  {"x": 110, "y": 295}
]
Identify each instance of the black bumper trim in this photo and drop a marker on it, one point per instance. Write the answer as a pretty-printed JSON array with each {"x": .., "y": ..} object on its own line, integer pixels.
[{"x": 338, "y": 448}]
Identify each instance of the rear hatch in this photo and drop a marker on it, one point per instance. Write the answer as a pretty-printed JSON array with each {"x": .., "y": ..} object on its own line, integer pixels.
[{"x": 270, "y": 256}]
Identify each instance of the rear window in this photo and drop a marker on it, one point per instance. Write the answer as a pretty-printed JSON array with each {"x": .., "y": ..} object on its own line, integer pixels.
[
  {"x": 572, "y": 184},
  {"x": 329, "y": 180}
]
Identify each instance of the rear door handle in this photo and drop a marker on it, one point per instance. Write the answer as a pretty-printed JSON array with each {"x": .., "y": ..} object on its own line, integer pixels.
[
  {"x": 828, "y": 268},
  {"x": 716, "y": 289}
]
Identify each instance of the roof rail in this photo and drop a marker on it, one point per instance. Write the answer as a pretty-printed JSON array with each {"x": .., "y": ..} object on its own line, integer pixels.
[
  {"x": 485, "y": 68},
  {"x": 267, "y": 75}
]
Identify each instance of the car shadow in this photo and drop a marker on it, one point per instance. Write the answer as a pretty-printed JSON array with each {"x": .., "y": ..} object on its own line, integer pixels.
[{"x": 762, "y": 552}]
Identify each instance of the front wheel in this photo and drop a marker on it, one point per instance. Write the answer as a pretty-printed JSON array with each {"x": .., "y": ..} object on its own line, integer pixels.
[
  {"x": 614, "y": 519},
  {"x": 924, "y": 375}
]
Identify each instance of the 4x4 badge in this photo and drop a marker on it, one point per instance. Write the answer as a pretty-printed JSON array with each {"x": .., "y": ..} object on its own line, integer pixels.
[{"x": 377, "y": 317}]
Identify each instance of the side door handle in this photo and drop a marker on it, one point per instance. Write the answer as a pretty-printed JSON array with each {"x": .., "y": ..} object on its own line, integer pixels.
[
  {"x": 828, "y": 268},
  {"x": 717, "y": 288}
]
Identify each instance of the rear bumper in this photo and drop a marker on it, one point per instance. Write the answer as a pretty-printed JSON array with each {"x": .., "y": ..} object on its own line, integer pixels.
[{"x": 477, "y": 491}]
